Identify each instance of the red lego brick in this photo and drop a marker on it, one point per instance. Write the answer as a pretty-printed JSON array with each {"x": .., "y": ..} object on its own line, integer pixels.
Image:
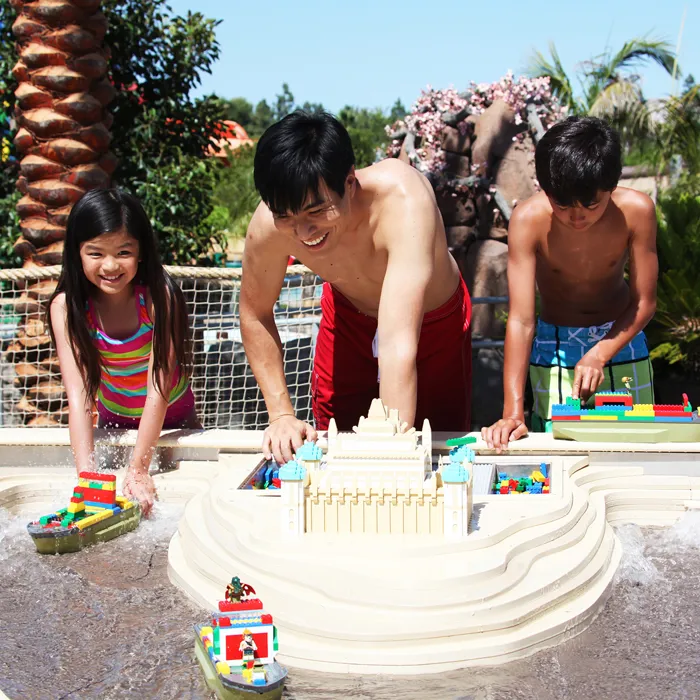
[
  {"x": 76, "y": 500},
  {"x": 224, "y": 622},
  {"x": 100, "y": 496},
  {"x": 97, "y": 476},
  {"x": 675, "y": 414},
  {"x": 504, "y": 489},
  {"x": 566, "y": 418},
  {"x": 266, "y": 619},
  {"x": 620, "y": 400},
  {"x": 252, "y": 604}
]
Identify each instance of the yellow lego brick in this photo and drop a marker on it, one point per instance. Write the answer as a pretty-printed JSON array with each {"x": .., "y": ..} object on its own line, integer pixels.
[
  {"x": 600, "y": 417},
  {"x": 222, "y": 667},
  {"x": 247, "y": 674},
  {"x": 76, "y": 508},
  {"x": 84, "y": 482},
  {"x": 94, "y": 519},
  {"x": 94, "y": 509},
  {"x": 124, "y": 503},
  {"x": 205, "y": 631},
  {"x": 537, "y": 476},
  {"x": 109, "y": 486}
]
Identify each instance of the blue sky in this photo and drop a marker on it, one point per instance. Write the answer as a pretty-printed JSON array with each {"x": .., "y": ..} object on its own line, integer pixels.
[{"x": 367, "y": 53}]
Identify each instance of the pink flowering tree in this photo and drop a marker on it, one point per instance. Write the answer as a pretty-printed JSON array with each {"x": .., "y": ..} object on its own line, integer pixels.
[{"x": 420, "y": 132}]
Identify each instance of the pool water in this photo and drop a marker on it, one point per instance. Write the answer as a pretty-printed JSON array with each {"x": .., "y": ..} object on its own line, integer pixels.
[{"x": 106, "y": 623}]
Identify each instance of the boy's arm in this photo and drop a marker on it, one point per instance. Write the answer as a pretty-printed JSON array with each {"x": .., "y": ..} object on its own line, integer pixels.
[
  {"x": 264, "y": 267},
  {"x": 520, "y": 329},
  {"x": 79, "y": 404},
  {"x": 409, "y": 269},
  {"x": 643, "y": 274}
]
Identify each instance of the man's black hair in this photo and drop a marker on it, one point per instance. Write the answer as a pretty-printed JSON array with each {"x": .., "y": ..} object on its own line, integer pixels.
[
  {"x": 576, "y": 158},
  {"x": 295, "y": 154}
]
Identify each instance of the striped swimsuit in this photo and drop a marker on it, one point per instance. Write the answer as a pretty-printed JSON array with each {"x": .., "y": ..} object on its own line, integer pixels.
[{"x": 121, "y": 396}]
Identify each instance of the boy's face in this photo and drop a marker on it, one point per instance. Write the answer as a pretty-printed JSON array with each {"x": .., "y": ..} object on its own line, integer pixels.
[
  {"x": 578, "y": 217},
  {"x": 322, "y": 219}
]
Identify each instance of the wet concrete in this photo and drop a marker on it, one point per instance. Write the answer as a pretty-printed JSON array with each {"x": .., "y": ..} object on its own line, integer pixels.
[{"x": 106, "y": 623}]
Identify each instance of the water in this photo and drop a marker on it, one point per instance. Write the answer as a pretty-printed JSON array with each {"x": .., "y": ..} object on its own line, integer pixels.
[{"x": 106, "y": 623}]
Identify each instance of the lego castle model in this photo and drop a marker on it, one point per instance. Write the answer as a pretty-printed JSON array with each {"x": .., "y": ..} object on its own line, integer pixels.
[{"x": 377, "y": 480}]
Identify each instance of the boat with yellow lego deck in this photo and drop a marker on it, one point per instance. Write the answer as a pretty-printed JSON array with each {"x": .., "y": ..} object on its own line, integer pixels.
[
  {"x": 95, "y": 514},
  {"x": 615, "y": 418}
]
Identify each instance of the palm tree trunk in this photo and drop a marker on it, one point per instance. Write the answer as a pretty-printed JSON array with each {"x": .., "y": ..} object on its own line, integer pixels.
[
  {"x": 61, "y": 111},
  {"x": 63, "y": 140}
]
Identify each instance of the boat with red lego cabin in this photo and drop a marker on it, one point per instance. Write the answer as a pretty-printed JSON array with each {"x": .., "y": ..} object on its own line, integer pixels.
[{"x": 236, "y": 648}]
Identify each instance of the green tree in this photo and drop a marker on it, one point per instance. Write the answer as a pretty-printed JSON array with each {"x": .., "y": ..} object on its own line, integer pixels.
[
  {"x": 367, "y": 132},
  {"x": 9, "y": 168},
  {"x": 263, "y": 117},
  {"x": 161, "y": 134},
  {"x": 239, "y": 110},
  {"x": 398, "y": 111},
  {"x": 611, "y": 87},
  {"x": 235, "y": 190},
  {"x": 284, "y": 103}
]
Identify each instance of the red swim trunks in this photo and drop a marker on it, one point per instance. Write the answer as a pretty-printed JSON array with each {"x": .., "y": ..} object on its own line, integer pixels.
[{"x": 344, "y": 379}]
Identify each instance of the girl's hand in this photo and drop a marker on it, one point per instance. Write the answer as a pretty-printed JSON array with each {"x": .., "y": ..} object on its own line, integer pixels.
[{"x": 139, "y": 486}]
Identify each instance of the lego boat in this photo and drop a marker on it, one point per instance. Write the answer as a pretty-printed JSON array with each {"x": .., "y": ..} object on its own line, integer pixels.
[
  {"x": 615, "y": 418},
  {"x": 95, "y": 514},
  {"x": 236, "y": 648}
]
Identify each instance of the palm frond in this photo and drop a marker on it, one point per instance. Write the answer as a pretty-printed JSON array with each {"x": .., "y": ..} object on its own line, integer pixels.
[
  {"x": 638, "y": 51},
  {"x": 622, "y": 104},
  {"x": 540, "y": 66}
]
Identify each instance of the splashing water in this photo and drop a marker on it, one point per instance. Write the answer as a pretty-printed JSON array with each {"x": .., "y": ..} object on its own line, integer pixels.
[{"x": 106, "y": 623}]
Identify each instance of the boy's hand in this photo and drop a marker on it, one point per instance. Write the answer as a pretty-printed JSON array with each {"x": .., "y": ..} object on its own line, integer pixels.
[
  {"x": 588, "y": 376},
  {"x": 284, "y": 436},
  {"x": 504, "y": 431},
  {"x": 139, "y": 486}
]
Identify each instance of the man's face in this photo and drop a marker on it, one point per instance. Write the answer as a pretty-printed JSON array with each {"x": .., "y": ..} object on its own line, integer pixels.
[
  {"x": 322, "y": 219},
  {"x": 578, "y": 217}
]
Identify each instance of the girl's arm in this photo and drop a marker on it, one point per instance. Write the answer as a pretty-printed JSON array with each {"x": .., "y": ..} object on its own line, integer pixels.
[
  {"x": 79, "y": 404},
  {"x": 139, "y": 483}
]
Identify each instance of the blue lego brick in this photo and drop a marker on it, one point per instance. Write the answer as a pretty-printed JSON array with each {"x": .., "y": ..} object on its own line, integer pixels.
[
  {"x": 259, "y": 681},
  {"x": 614, "y": 408}
]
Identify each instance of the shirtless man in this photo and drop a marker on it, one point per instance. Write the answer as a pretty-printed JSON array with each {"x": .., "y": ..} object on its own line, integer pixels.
[
  {"x": 394, "y": 304},
  {"x": 574, "y": 240}
]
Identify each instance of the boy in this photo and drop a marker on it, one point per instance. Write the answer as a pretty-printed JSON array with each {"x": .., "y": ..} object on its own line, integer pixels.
[
  {"x": 573, "y": 240},
  {"x": 395, "y": 310}
]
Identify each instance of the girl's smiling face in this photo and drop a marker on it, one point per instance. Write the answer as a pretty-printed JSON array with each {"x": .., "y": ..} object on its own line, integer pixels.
[{"x": 110, "y": 261}]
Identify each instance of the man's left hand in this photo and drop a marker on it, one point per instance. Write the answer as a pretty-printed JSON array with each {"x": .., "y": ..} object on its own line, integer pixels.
[{"x": 588, "y": 376}]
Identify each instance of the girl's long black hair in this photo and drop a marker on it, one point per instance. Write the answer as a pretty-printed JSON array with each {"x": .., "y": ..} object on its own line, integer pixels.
[{"x": 104, "y": 211}]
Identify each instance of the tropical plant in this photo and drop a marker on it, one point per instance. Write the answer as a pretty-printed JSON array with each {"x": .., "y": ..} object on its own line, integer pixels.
[
  {"x": 676, "y": 328},
  {"x": 161, "y": 134},
  {"x": 610, "y": 86}
]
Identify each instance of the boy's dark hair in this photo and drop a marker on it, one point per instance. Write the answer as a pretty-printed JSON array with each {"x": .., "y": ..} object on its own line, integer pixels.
[
  {"x": 576, "y": 158},
  {"x": 293, "y": 156}
]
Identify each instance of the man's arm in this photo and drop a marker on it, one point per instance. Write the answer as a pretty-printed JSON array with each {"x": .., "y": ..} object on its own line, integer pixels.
[
  {"x": 264, "y": 267},
  {"x": 411, "y": 251},
  {"x": 520, "y": 328},
  {"x": 643, "y": 274}
]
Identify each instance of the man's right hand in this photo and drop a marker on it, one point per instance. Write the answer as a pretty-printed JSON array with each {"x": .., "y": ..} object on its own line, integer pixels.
[
  {"x": 504, "y": 431},
  {"x": 284, "y": 437}
]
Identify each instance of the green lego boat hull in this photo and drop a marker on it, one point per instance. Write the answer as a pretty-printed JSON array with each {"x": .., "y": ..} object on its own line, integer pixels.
[
  {"x": 625, "y": 431},
  {"x": 231, "y": 690},
  {"x": 66, "y": 540}
]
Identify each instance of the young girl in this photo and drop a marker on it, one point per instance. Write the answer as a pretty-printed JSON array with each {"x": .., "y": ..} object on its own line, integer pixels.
[{"x": 120, "y": 327}]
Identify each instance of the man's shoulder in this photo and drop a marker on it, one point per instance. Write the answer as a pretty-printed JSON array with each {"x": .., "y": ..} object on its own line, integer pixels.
[{"x": 392, "y": 178}]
